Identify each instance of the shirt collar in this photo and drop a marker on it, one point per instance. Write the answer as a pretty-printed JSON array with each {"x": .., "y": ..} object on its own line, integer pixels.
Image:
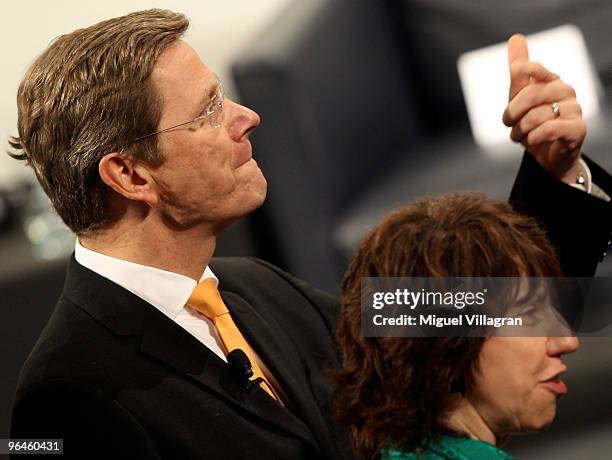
[{"x": 166, "y": 291}]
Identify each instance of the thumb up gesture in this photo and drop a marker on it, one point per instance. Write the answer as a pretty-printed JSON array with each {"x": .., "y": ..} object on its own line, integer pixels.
[{"x": 543, "y": 114}]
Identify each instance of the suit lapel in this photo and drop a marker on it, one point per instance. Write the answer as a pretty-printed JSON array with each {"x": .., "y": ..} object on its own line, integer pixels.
[
  {"x": 167, "y": 342},
  {"x": 280, "y": 356},
  {"x": 127, "y": 315}
]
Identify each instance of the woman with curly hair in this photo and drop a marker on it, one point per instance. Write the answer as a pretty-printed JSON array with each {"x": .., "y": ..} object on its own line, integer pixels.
[{"x": 447, "y": 397}]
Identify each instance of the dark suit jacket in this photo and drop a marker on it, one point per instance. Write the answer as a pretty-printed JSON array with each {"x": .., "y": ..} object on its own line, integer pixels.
[
  {"x": 579, "y": 225},
  {"x": 114, "y": 377}
]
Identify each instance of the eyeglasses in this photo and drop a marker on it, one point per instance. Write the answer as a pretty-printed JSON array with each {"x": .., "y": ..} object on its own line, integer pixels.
[{"x": 213, "y": 113}]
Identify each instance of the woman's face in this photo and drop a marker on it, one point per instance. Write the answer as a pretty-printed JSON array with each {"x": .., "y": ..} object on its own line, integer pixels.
[{"x": 517, "y": 384}]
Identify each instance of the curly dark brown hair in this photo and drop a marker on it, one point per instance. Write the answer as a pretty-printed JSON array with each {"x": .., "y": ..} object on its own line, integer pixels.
[{"x": 395, "y": 391}]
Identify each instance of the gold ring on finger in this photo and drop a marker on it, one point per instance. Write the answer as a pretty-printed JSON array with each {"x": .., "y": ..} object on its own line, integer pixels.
[{"x": 555, "y": 109}]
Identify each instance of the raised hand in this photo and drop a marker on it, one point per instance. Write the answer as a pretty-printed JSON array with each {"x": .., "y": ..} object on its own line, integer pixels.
[{"x": 543, "y": 114}]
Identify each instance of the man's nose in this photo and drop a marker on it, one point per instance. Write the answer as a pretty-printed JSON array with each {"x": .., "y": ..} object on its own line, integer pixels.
[{"x": 242, "y": 120}]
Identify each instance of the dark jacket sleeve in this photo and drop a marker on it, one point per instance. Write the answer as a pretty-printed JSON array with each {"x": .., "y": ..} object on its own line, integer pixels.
[
  {"x": 579, "y": 225},
  {"x": 90, "y": 424}
]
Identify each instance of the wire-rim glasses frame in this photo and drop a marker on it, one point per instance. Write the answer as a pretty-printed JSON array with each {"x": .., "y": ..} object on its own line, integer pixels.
[{"x": 213, "y": 113}]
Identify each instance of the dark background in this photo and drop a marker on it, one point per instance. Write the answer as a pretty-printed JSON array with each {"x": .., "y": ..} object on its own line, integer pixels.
[{"x": 362, "y": 111}]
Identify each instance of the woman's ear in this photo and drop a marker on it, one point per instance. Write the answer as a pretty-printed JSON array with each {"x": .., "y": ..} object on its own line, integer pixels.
[{"x": 128, "y": 178}]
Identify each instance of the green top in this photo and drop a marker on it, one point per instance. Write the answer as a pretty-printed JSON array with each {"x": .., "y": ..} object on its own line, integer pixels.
[{"x": 449, "y": 448}]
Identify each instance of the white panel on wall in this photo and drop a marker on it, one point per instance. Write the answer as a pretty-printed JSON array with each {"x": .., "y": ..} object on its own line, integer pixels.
[{"x": 485, "y": 80}]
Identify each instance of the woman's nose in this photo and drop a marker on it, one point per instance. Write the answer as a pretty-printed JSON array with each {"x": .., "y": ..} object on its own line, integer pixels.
[{"x": 562, "y": 345}]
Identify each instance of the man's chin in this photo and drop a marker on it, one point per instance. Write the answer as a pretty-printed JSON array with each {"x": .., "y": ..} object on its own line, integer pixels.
[
  {"x": 255, "y": 196},
  {"x": 261, "y": 197},
  {"x": 250, "y": 204},
  {"x": 252, "y": 188},
  {"x": 259, "y": 187}
]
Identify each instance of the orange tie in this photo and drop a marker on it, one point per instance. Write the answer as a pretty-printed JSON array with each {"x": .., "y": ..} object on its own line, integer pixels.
[{"x": 206, "y": 299}]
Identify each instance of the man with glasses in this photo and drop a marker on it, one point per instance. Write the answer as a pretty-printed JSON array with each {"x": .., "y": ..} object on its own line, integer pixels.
[
  {"x": 144, "y": 159},
  {"x": 154, "y": 348}
]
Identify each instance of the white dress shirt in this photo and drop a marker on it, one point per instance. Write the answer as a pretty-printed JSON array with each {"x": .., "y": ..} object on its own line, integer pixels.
[{"x": 168, "y": 292}]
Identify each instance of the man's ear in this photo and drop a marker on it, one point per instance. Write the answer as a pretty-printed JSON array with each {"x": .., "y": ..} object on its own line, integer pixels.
[{"x": 128, "y": 178}]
